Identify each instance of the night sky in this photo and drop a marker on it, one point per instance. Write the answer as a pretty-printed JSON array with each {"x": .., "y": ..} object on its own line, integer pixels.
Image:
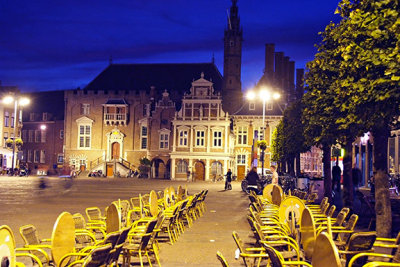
[{"x": 51, "y": 45}]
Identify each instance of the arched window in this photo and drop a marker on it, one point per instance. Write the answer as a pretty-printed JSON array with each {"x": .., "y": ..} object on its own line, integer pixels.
[
  {"x": 182, "y": 167},
  {"x": 216, "y": 168}
]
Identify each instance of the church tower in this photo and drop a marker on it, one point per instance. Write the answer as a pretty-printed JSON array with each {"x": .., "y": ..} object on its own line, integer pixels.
[{"x": 233, "y": 37}]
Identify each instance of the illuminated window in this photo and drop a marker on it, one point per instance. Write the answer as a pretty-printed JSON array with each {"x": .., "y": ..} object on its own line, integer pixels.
[
  {"x": 143, "y": 137},
  {"x": 242, "y": 135},
  {"x": 182, "y": 167},
  {"x": 241, "y": 159},
  {"x": 164, "y": 140},
  {"x": 84, "y": 136},
  {"x": 183, "y": 138},
  {"x": 60, "y": 158}
]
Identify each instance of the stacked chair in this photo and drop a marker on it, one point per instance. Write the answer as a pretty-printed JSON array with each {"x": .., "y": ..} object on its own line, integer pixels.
[
  {"x": 294, "y": 230},
  {"x": 127, "y": 230}
]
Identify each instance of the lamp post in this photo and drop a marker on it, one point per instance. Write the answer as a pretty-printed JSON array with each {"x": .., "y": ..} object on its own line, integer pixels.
[
  {"x": 266, "y": 95},
  {"x": 18, "y": 101}
]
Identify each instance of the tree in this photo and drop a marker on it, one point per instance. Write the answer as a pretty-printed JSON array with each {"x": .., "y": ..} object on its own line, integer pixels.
[
  {"x": 277, "y": 145},
  {"x": 360, "y": 59},
  {"x": 293, "y": 138},
  {"x": 370, "y": 70}
]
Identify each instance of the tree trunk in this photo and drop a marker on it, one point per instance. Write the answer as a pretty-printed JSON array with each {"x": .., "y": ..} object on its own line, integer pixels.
[
  {"x": 291, "y": 166},
  {"x": 326, "y": 161},
  {"x": 383, "y": 207},
  {"x": 298, "y": 171},
  {"x": 347, "y": 180}
]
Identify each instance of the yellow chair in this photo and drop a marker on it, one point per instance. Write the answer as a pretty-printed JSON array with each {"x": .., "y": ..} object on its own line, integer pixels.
[
  {"x": 256, "y": 254},
  {"x": 96, "y": 257},
  {"x": 221, "y": 259},
  {"x": 137, "y": 244},
  {"x": 94, "y": 216},
  {"x": 9, "y": 253},
  {"x": 276, "y": 259},
  {"x": 361, "y": 242},
  {"x": 40, "y": 247}
]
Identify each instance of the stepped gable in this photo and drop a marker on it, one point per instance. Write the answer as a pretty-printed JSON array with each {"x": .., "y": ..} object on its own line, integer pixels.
[{"x": 176, "y": 78}]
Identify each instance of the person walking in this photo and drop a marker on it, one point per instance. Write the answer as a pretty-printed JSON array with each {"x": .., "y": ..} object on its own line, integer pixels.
[
  {"x": 275, "y": 177},
  {"x": 228, "y": 180},
  {"x": 252, "y": 179},
  {"x": 336, "y": 174}
]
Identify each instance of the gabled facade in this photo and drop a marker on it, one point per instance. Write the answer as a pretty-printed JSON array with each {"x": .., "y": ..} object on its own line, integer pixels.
[{"x": 202, "y": 140}]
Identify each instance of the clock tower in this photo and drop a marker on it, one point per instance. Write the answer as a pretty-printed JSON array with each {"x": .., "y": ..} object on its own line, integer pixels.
[{"x": 232, "y": 86}]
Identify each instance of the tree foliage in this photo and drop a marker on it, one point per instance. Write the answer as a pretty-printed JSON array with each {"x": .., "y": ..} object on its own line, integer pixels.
[{"x": 354, "y": 85}]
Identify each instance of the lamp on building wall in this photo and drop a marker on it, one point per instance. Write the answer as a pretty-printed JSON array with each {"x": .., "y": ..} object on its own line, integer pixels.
[{"x": 18, "y": 102}]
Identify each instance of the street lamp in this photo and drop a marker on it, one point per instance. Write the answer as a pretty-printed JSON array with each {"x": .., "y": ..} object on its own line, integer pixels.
[
  {"x": 266, "y": 95},
  {"x": 18, "y": 101}
]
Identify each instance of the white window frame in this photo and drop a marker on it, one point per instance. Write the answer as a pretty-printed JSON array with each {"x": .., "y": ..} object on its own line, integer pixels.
[
  {"x": 252, "y": 106},
  {"x": 36, "y": 156},
  {"x": 144, "y": 137},
  {"x": 45, "y": 116},
  {"x": 61, "y": 134},
  {"x": 242, "y": 135},
  {"x": 31, "y": 136},
  {"x": 12, "y": 120},
  {"x": 6, "y": 119},
  {"x": 37, "y": 136},
  {"x": 43, "y": 136},
  {"x": 182, "y": 166},
  {"x": 183, "y": 137},
  {"x": 5, "y": 137},
  {"x": 200, "y": 140},
  {"x": 217, "y": 140},
  {"x": 164, "y": 139},
  {"x": 30, "y": 155},
  {"x": 42, "y": 156},
  {"x": 60, "y": 156},
  {"x": 241, "y": 159},
  {"x": 87, "y": 143},
  {"x": 268, "y": 105},
  {"x": 85, "y": 109},
  {"x": 24, "y": 135}
]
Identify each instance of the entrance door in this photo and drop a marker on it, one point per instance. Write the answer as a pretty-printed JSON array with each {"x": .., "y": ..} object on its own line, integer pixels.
[
  {"x": 110, "y": 170},
  {"x": 241, "y": 172},
  {"x": 115, "y": 150},
  {"x": 199, "y": 171}
]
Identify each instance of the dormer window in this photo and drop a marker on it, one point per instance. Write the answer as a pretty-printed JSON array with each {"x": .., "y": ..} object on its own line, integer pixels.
[
  {"x": 252, "y": 106},
  {"x": 115, "y": 112}
]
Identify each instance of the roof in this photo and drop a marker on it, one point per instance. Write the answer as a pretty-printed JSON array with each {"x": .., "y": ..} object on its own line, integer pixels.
[
  {"x": 46, "y": 101},
  {"x": 116, "y": 102},
  {"x": 174, "y": 77}
]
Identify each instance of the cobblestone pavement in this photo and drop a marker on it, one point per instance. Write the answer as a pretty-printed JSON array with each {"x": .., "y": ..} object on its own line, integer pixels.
[{"x": 23, "y": 202}]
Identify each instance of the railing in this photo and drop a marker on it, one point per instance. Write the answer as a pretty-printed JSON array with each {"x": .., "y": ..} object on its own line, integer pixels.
[
  {"x": 96, "y": 162},
  {"x": 115, "y": 118},
  {"x": 126, "y": 163}
]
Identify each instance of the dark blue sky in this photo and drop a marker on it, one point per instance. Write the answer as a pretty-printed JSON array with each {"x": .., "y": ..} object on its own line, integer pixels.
[{"x": 50, "y": 45}]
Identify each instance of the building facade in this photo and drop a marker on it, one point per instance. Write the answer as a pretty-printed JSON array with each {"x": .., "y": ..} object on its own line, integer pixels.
[{"x": 202, "y": 147}]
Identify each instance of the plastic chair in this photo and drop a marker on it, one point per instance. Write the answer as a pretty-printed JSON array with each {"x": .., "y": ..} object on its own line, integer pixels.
[
  {"x": 221, "y": 259},
  {"x": 249, "y": 253},
  {"x": 277, "y": 260},
  {"x": 31, "y": 239},
  {"x": 96, "y": 257},
  {"x": 94, "y": 216},
  {"x": 137, "y": 244},
  {"x": 358, "y": 243}
]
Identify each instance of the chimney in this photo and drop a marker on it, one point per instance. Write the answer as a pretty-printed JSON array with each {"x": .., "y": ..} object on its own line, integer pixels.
[
  {"x": 291, "y": 80},
  {"x": 286, "y": 74},
  {"x": 269, "y": 61},
  {"x": 279, "y": 69},
  {"x": 299, "y": 83}
]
